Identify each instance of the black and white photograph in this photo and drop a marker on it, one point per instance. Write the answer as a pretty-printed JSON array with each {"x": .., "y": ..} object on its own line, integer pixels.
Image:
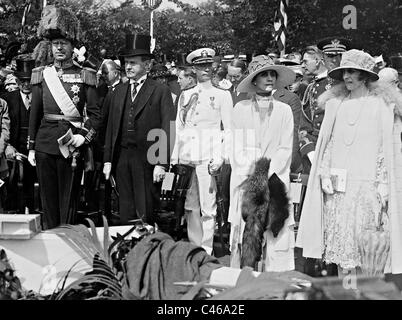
[{"x": 194, "y": 151}]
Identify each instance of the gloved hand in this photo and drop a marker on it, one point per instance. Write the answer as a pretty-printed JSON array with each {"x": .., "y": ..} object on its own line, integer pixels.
[
  {"x": 215, "y": 164},
  {"x": 159, "y": 173},
  {"x": 31, "y": 158},
  {"x": 77, "y": 140},
  {"x": 382, "y": 192},
  {"x": 326, "y": 185},
  {"x": 10, "y": 152},
  {"x": 107, "y": 168}
]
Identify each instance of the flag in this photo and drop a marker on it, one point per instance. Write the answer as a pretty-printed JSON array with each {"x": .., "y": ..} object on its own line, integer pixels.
[{"x": 280, "y": 24}]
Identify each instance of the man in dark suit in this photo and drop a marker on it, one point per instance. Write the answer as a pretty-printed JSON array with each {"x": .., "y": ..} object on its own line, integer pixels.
[
  {"x": 237, "y": 69},
  {"x": 19, "y": 106},
  {"x": 294, "y": 102},
  {"x": 138, "y": 133}
]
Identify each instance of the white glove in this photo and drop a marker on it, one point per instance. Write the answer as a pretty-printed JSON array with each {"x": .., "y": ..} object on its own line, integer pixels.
[
  {"x": 77, "y": 140},
  {"x": 382, "y": 191},
  {"x": 310, "y": 156},
  {"x": 326, "y": 185},
  {"x": 31, "y": 158},
  {"x": 215, "y": 164},
  {"x": 10, "y": 152},
  {"x": 107, "y": 168},
  {"x": 159, "y": 173}
]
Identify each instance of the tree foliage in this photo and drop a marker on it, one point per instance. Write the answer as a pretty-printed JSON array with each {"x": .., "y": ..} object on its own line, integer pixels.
[{"x": 229, "y": 26}]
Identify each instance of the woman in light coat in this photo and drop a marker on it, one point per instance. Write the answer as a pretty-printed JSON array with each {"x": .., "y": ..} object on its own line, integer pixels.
[
  {"x": 357, "y": 171},
  {"x": 262, "y": 127}
]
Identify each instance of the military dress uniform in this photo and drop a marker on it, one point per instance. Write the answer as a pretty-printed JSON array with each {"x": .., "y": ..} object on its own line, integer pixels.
[
  {"x": 312, "y": 116},
  {"x": 47, "y": 123},
  {"x": 199, "y": 139}
]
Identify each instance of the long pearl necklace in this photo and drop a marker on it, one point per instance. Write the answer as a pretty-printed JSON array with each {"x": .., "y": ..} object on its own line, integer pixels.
[{"x": 348, "y": 138}]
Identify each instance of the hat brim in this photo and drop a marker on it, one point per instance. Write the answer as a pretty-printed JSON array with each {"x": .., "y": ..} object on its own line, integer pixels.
[
  {"x": 22, "y": 75},
  {"x": 285, "y": 78},
  {"x": 337, "y": 73}
]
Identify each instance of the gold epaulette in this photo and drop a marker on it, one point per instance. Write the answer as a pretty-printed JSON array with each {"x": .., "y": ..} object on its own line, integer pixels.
[
  {"x": 37, "y": 75},
  {"x": 88, "y": 76}
]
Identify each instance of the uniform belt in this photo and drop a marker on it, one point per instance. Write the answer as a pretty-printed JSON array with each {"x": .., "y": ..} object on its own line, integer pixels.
[{"x": 58, "y": 117}]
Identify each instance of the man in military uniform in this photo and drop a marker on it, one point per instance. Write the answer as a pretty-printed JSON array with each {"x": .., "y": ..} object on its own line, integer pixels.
[
  {"x": 200, "y": 142},
  {"x": 317, "y": 61},
  {"x": 59, "y": 94}
]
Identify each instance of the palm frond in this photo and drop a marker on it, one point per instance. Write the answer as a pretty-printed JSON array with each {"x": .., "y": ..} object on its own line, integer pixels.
[
  {"x": 94, "y": 235},
  {"x": 79, "y": 238},
  {"x": 106, "y": 241}
]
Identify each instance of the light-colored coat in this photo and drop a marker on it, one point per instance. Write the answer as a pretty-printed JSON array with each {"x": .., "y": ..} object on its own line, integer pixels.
[
  {"x": 310, "y": 234},
  {"x": 250, "y": 141}
]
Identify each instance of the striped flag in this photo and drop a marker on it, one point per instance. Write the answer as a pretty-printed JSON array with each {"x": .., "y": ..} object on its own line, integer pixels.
[{"x": 280, "y": 24}]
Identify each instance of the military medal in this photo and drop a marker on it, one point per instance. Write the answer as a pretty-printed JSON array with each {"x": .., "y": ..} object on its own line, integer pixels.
[
  {"x": 60, "y": 73},
  {"x": 75, "y": 89},
  {"x": 212, "y": 102}
]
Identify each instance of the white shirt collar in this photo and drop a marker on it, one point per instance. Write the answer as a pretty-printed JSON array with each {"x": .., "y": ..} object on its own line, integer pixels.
[
  {"x": 140, "y": 80},
  {"x": 24, "y": 98}
]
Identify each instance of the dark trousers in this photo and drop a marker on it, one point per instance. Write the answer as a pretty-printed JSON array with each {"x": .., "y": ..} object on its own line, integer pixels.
[
  {"x": 225, "y": 176},
  {"x": 55, "y": 176},
  {"x": 21, "y": 186},
  {"x": 134, "y": 180}
]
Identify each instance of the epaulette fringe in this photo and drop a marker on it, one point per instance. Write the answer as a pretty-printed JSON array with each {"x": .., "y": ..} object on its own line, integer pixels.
[
  {"x": 37, "y": 75},
  {"x": 88, "y": 76}
]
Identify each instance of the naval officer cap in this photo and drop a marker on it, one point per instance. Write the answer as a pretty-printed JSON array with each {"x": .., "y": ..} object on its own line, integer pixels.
[
  {"x": 333, "y": 45},
  {"x": 201, "y": 56}
]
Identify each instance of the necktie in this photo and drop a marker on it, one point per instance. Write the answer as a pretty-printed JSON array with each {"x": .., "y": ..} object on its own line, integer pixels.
[
  {"x": 134, "y": 91},
  {"x": 28, "y": 101}
]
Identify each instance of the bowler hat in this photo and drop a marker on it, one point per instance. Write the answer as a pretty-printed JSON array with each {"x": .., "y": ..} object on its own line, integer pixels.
[
  {"x": 159, "y": 71},
  {"x": 24, "y": 66},
  {"x": 137, "y": 45},
  {"x": 285, "y": 76}
]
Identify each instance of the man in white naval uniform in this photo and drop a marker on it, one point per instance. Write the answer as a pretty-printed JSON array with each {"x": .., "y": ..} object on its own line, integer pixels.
[{"x": 200, "y": 142}]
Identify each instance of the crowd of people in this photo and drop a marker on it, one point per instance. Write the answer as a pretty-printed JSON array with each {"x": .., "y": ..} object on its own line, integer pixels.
[{"x": 331, "y": 113}]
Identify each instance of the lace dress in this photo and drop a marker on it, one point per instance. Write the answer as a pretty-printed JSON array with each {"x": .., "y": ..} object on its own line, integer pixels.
[{"x": 355, "y": 145}]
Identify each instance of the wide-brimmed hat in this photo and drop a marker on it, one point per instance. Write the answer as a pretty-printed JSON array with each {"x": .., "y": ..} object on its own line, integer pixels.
[
  {"x": 201, "y": 56},
  {"x": 355, "y": 59},
  {"x": 59, "y": 22},
  {"x": 285, "y": 76},
  {"x": 137, "y": 45},
  {"x": 24, "y": 65}
]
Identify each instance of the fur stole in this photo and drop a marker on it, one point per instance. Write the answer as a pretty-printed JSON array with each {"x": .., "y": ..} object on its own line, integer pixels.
[
  {"x": 379, "y": 89},
  {"x": 265, "y": 205}
]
